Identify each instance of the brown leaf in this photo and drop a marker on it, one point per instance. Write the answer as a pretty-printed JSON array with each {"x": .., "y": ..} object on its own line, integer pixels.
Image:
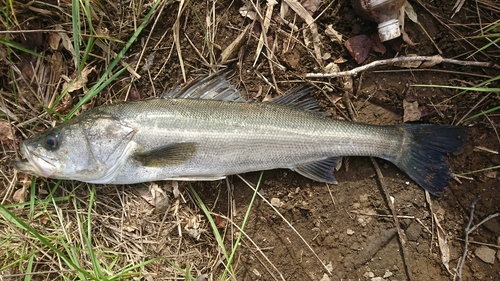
[
  {"x": 333, "y": 34},
  {"x": 5, "y": 133},
  {"x": 54, "y": 40},
  {"x": 19, "y": 195},
  {"x": 311, "y": 5},
  {"x": 424, "y": 111},
  {"x": 411, "y": 112},
  {"x": 359, "y": 47},
  {"x": 6, "y": 137},
  {"x": 220, "y": 222},
  {"x": 377, "y": 45},
  {"x": 78, "y": 82}
]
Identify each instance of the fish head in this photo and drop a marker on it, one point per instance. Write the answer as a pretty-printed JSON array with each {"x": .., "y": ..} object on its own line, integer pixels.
[{"x": 84, "y": 149}]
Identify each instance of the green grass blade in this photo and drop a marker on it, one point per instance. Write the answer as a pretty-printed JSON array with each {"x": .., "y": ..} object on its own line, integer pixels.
[
  {"x": 75, "y": 21},
  {"x": 481, "y": 170},
  {"x": 13, "y": 45},
  {"x": 8, "y": 215}
]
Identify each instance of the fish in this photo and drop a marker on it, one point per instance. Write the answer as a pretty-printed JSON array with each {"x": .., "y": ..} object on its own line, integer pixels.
[{"x": 207, "y": 131}]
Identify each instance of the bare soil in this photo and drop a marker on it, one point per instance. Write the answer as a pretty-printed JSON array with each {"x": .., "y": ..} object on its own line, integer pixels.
[{"x": 349, "y": 226}]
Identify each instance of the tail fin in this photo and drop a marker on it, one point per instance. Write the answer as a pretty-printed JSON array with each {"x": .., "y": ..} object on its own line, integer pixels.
[{"x": 423, "y": 159}]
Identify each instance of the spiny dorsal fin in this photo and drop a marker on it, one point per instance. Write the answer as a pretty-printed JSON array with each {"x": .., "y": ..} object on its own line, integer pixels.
[
  {"x": 212, "y": 87},
  {"x": 320, "y": 170},
  {"x": 169, "y": 155},
  {"x": 295, "y": 98}
]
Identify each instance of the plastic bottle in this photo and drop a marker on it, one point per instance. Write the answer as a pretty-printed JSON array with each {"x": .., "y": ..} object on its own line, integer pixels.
[{"x": 384, "y": 12}]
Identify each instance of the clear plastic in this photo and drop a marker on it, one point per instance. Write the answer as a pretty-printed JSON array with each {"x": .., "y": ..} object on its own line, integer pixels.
[{"x": 384, "y": 12}]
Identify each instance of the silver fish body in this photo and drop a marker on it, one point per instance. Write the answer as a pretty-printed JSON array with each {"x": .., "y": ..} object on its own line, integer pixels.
[{"x": 202, "y": 139}]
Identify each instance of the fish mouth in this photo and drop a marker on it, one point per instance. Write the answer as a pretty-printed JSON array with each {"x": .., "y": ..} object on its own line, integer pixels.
[
  {"x": 34, "y": 164},
  {"x": 26, "y": 167}
]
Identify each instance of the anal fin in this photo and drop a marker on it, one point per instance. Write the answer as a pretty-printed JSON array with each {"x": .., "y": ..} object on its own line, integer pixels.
[
  {"x": 320, "y": 170},
  {"x": 169, "y": 155}
]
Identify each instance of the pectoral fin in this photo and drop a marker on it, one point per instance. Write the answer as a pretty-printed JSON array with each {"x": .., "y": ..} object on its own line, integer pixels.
[
  {"x": 320, "y": 171},
  {"x": 169, "y": 155}
]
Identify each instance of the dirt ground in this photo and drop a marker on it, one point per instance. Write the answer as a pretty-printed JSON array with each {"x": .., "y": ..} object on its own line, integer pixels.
[{"x": 349, "y": 227}]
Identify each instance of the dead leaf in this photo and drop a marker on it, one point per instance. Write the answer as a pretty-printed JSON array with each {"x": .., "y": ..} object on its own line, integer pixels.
[
  {"x": 78, "y": 82},
  {"x": 406, "y": 39},
  {"x": 248, "y": 12},
  {"x": 437, "y": 59},
  {"x": 332, "y": 68},
  {"x": 220, "y": 222},
  {"x": 54, "y": 39},
  {"x": 359, "y": 47},
  {"x": 175, "y": 189},
  {"x": 333, "y": 34},
  {"x": 340, "y": 60},
  {"x": 5, "y": 132},
  {"x": 19, "y": 195},
  {"x": 411, "y": 112},
  {"x": 311, "y": 5},
  {"x": 66, "y": 41},
  {"x": 424, "y": 111},
  {"x": 408, "y": 64},
  {"x": 377, "y": 45},
  {"x": 233, "y": 49},
  {"x": 410, "y": 12}
]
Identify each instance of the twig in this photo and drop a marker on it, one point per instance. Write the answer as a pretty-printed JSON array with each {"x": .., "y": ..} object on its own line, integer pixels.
[
  {"x": 423, "y": 59},
  {"x": 479, "y": 243},
  {"x": 401, "y": 234}
]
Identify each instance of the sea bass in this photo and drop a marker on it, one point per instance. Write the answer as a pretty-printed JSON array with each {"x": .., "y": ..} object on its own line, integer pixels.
[{"x": 207, "y": 131}]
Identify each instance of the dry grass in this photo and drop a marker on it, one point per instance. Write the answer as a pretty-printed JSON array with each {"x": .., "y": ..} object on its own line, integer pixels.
[{"x": 57, "y": 60}]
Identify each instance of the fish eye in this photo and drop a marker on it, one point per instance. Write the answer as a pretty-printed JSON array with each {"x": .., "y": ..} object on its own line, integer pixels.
[{"x": 52, "y": 141}]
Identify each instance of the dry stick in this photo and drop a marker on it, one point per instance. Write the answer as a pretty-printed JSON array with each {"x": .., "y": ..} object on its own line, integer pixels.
[
  {"x": 288, "y": 223},
  {"x": 468, "y": 230},
  {"x": 401, "y": 234},
  {"x": 432, "y": 70},
  {"x": 479, "y": 243},
  {"x": 436, "y": 59}
]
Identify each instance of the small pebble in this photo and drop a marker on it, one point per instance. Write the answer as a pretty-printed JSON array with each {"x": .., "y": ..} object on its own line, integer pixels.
[
  {"x": 485, "y": 254},
  {"x": 350, "y": 231},
  {"x": 325, "y": 278},
  {"x": 387, "y": 274},
  {"x": 369, "y": 274}
]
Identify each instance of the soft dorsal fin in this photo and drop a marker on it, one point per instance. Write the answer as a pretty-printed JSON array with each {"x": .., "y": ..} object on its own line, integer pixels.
[
  {"x": 295, "y": 98},
  {"x": 212, "y": 87},
  {"x": 321, "y": 171}
]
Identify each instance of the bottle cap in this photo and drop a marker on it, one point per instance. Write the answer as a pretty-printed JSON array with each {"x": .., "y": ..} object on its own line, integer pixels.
[{"x": 388, "y": 30}]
